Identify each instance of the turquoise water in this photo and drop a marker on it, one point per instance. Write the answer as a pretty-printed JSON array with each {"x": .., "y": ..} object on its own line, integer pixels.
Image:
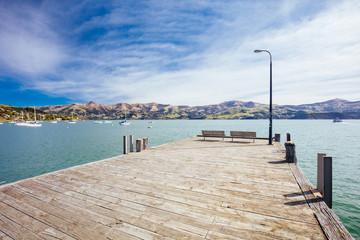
[{"x": 26, "y": 152}]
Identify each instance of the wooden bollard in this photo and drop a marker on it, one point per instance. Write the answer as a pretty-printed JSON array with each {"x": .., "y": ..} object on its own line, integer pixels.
[
  {"x": 139, "y": 145},
  {"x": 277, "y": 137},
  {"x": 290, "y": 152},
  {"x": 145, "y": 143},
  {"x": 288, "y": 137},
  {"x": 328, "y": 181},
  {"x": 125, "y": 145},
  {"x": 131, "y": 143},
  {"x": 320, "y": 172}
]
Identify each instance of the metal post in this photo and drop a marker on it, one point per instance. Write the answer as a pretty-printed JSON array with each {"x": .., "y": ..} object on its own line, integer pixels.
[{"x": 270, "y": 107}]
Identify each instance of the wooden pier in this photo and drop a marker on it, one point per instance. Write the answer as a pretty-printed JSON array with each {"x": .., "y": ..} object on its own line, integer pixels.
[{"x": 188, "y": 189}]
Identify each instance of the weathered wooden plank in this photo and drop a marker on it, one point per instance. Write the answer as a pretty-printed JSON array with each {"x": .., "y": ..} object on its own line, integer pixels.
[
  {"x": 132, "y": 216},
  {"x": 122, "y": 230},
  {"x": 15, "y": 230},
  {"x": 3, "y": 236},
  {"x": 194, "y": 211},
  {"x": 57, "y": 223},
  {"x": 89, "y": 229},
  {"x": 37, "y": 227},
  {"x": 187, "y": 180},
  {"x": 248, "y": 204}
]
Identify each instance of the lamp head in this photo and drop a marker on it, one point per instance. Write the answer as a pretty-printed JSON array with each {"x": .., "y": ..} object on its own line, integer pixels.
[{"x": 257, "y": 51}]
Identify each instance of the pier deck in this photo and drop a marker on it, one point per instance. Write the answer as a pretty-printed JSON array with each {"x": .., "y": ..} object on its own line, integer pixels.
[{"x": 189, "y": 189}]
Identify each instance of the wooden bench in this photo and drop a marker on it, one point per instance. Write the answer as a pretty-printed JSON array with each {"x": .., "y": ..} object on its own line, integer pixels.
[
  {"x": 208, "y": 133},
  {"x": 242, "y": 134}
]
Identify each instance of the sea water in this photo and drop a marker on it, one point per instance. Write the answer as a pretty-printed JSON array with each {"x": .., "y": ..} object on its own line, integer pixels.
[{"x": 26, "y": 152}]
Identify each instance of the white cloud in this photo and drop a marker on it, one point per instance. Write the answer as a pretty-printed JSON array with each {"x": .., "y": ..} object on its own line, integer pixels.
[
  {"x": 315, "y": 57},
  {"x": 27, "y": 45}
]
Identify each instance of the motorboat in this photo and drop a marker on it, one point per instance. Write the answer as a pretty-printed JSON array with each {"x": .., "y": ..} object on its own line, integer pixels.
[{"x": 337, "y": 120}]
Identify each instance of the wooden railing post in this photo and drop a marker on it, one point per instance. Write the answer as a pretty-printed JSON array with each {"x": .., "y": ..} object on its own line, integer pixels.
[
  {"x": 139, "y": 145},
  {"x": 145, "y": 143},
  {"x": 320, "y": 172},
  {"x": 131, "y": 143},
  {"x": 125, "y": 145},
  {"x": 290, "y": 152},
  {"x": 288, "y": 137},
  {"x": 328, "y": 181},
  {"x": 277, "y": 137}
]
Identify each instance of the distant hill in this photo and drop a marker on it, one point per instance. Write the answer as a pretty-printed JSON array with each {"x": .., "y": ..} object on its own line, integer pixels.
[
  {"x": 334, "y": 105},
  {"x": 225, "y": 110},
  {"x": 11, "y": 113}
]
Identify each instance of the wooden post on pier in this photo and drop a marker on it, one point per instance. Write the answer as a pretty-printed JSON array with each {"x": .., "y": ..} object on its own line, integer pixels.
[
  {"x": 277, "y": 137},
  {"x": 288, "y": 137},
  {"x": 328, "y": 181},
  {"x": 320, "y": 172},
  {"x": 290, "y": 152},
  {"x": 131, "y": 143},
  {"x": 125, "y": 145},
  {"x": 145, "y": 143},
  {"x": 324, "y": 178},
  {"x": 139, "y": 145}
]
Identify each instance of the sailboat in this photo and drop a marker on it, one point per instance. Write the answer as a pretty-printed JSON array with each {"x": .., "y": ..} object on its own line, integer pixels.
[
  {"x": 124, "y": 122},
  {"x": 54, "y": 121},
  {"x": 99, "y": 121},
  {"x": 72, "y": 121},
  {"x": 30, "y": 123}
]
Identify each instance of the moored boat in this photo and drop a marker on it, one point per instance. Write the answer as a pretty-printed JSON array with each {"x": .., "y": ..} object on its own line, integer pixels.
[{"x": 337, "y": 120}]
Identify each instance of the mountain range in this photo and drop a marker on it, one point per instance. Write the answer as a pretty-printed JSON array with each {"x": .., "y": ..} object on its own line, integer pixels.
[{"x": 227, "y": 110}]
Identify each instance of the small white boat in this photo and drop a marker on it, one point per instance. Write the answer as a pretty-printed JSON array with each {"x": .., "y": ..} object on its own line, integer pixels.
[
  {"x": 54, "y": 121},
  {"x": 107, "y": 121},
  {"x": 99, "y": 122},
  {"x": 29, "y": 124},
  {"x": 72, "y": 121},
  {"x": 124, "y": 123},
  {"x": 337, "y": 120}
]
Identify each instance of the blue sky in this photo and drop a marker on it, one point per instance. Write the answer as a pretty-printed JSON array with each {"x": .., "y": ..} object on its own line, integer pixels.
[{"x": 178, "y": 52}]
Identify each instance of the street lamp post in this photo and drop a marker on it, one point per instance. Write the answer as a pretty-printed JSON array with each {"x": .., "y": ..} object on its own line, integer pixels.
[{"x": 270, "y": 117}]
